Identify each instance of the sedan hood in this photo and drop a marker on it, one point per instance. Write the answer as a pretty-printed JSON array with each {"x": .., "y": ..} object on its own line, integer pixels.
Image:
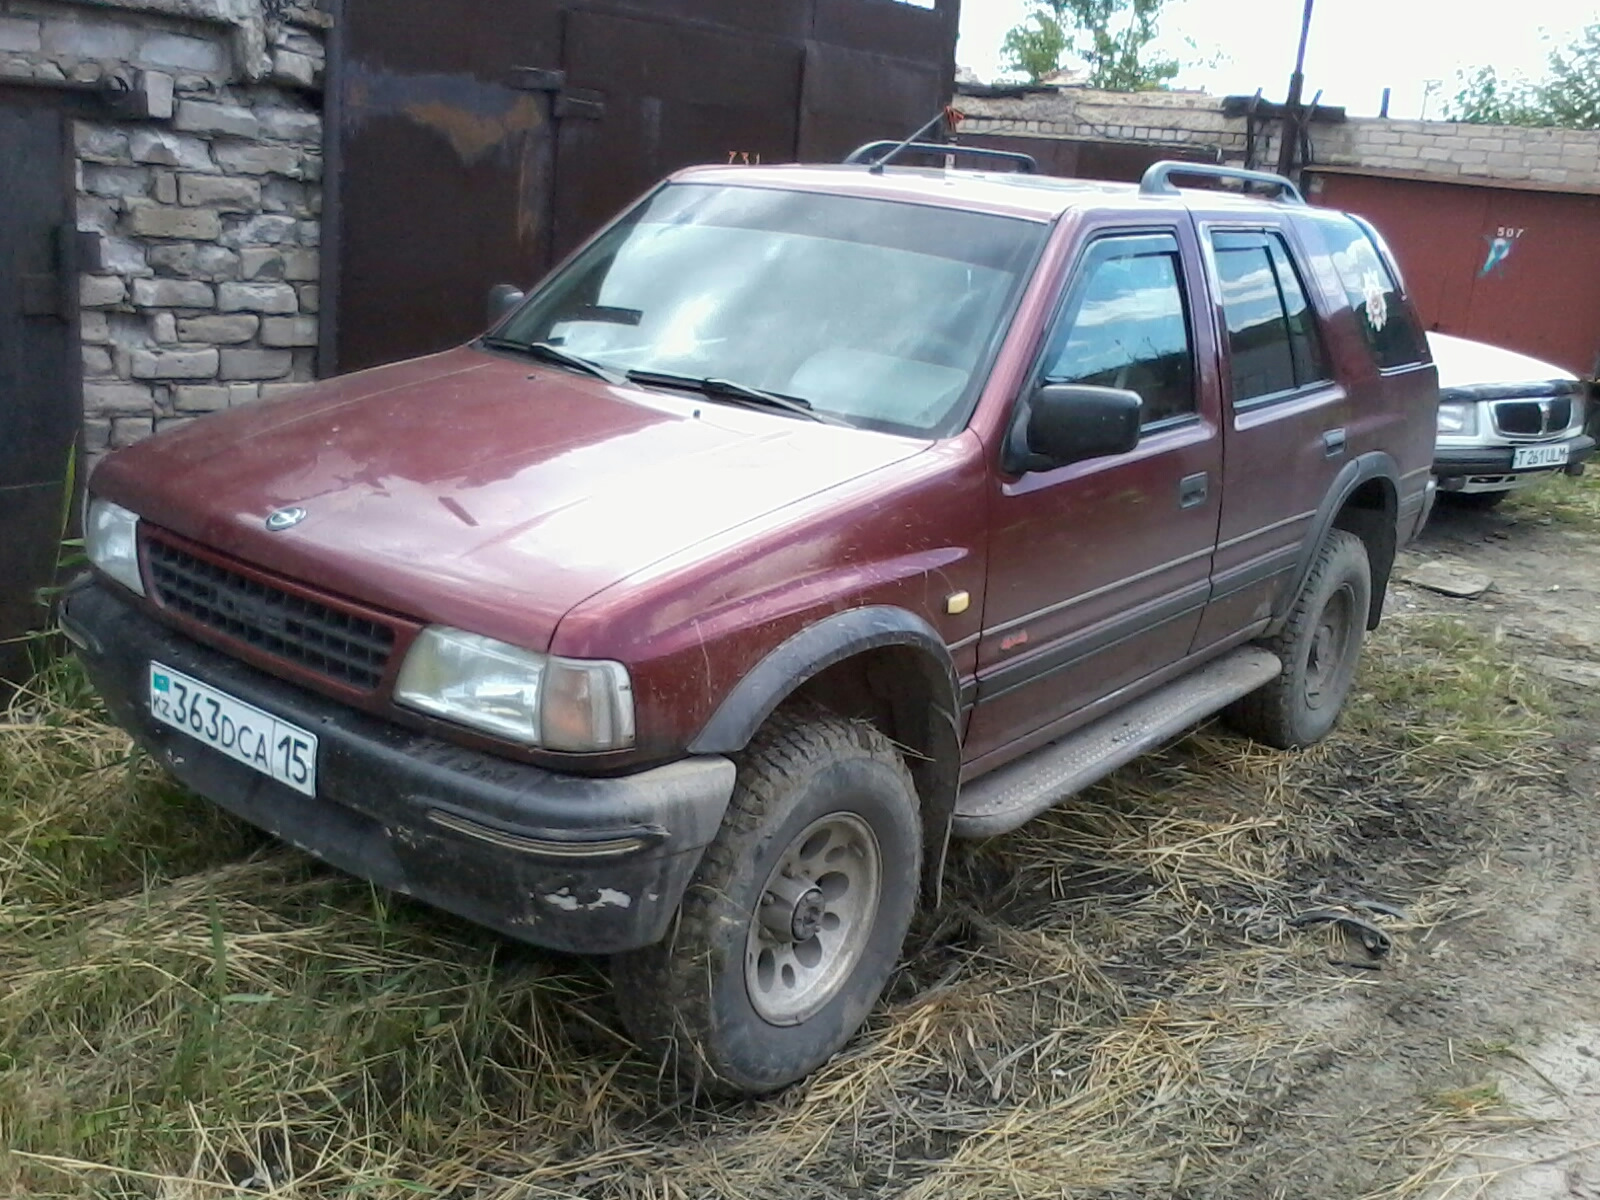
[
  {"x": 479, "y": 490},
  {"x": 1463, "y": 362}
]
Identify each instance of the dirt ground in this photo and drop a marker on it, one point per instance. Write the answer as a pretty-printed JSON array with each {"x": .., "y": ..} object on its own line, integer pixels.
[{"x": 1491, "y": 1016}]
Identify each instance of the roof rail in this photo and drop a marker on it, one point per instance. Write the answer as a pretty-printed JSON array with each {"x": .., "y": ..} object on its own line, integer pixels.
[
  {"x": 879, "y": 154},
  {"x": 1157, "y": 180}
]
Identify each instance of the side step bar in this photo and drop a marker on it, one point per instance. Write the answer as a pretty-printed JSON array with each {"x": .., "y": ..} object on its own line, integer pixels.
[{"x": 1017, "y": 792}]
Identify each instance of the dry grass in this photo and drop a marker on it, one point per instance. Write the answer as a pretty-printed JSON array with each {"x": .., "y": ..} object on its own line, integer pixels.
[{"x": 1104, "y": 1006}]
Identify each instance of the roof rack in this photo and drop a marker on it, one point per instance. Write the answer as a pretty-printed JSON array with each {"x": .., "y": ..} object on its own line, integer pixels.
[
  {"x": 873, "y": 152},
  {"x": 1157, "y": 180}
]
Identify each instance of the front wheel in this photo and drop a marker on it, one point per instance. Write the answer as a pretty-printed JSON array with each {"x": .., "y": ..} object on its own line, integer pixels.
[
  {"x": 796, "y": 916},
  {"x": 1319, "y": 645}
]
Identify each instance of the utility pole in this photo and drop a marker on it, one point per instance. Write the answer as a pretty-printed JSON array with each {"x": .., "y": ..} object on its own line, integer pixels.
[{"x": 1290, "y": 139}]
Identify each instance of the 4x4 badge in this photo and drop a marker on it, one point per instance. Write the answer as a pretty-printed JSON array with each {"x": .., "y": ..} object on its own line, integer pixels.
[{"x": 285, "y": 518}]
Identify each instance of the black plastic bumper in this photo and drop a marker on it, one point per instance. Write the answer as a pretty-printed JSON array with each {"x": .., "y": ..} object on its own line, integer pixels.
[
  {"x": 1454, "y": 462},
  {"x": 564, "y": 861}
]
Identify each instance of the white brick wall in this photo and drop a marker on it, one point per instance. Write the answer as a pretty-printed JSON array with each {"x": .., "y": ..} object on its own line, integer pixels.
[
  {"x": 208, "y": 213},
  {"x": 1559, "y": 157}
]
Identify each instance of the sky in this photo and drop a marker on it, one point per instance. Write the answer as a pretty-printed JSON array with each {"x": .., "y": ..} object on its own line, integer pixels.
[{"x": 1356, "y": 49}]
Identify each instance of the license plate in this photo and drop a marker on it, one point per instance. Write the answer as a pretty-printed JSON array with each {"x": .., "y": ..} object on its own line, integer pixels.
[
  {"x": 1538, "y": 456},
  {"x": 241, "y": 731}
]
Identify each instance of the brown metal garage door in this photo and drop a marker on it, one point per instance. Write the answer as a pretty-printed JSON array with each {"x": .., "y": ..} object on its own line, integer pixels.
[
  {"x": 1516, "y": 268},
  {"x": 39, "y": 393}
]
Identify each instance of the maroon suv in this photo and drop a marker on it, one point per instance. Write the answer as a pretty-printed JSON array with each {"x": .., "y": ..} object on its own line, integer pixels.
[{"x": 805, "y": 517}]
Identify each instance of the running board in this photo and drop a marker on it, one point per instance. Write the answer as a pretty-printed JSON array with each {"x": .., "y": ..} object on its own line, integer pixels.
[{"x": 1017, "y": 792}]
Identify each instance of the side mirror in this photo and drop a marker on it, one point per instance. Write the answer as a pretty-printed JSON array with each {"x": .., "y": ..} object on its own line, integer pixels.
[
  {"x": 1068, "y": 423},
  {"x": 503, "y": 298}
]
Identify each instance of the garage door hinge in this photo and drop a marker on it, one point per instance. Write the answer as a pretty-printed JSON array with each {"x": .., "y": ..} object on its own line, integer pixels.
[
  {"x": 536, "y": 79},
  {"x": 581, "y": 104},
  {"x": 50, "y": 295}
]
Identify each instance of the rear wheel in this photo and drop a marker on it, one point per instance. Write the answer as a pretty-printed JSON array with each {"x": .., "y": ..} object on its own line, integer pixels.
[
  {"x": 1320, "y": 646},
  {"x": 796, "y": 916}
]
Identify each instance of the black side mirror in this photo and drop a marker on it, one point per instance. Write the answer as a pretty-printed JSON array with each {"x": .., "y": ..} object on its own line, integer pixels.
[
  {"x": 503, "y": 298},
  {"x": 1068, "y": 423}
]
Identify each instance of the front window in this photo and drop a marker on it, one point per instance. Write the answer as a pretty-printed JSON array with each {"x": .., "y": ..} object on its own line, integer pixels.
[
  {"x": 1125, "y": 325},
  {"x": 881, "y": 313}
]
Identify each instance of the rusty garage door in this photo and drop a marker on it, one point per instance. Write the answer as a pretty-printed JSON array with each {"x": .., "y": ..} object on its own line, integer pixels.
[
  {"x": 39, "y": 380},
  {"x": 472, "y": 141},
  {"x": 667, "y": 95},
  {"x": 1514, "y": 267},
  {"x": 1085, "y": 158},
  {"x": 439, "y": 172}
]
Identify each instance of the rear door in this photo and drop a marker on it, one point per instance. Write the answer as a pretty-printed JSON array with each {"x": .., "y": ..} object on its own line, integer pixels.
[
  {"x": 1287, "y": 421},
  {"x": 1099, "y": 571}
]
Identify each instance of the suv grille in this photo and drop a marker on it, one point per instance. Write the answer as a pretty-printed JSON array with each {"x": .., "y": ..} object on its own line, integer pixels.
[
  {"x": 1533, "y": 418},
  {"x": 335, "y": 644}
]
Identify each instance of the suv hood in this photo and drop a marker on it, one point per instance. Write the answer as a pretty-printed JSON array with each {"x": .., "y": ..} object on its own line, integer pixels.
[
  {"x": 477, "y": 490},
  {"x": 1463, "y": 362}
]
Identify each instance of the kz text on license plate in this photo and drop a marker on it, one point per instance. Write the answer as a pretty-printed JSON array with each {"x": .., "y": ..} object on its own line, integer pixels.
[{"x": 242, "y": 731}]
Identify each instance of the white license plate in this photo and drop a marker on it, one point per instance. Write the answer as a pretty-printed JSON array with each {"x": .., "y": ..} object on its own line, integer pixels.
[
  {"x": 1538, "y": 456},
  {"x": 241, "y": 731}
]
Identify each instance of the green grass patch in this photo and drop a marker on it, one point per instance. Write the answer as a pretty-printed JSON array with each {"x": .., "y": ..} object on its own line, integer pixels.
[{"x": 1561, "y": 499}]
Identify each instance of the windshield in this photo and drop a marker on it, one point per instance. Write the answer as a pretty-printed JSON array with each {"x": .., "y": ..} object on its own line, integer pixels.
[{"x": 879, "y": 312}]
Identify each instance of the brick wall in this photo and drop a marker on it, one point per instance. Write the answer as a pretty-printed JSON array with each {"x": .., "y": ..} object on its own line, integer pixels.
[
  {"x": 208, "y": 210},
  {"x": 1559, "y": 158}
]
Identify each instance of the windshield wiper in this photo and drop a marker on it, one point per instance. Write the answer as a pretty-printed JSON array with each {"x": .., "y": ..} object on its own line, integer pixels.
[
  {"x": 732, "y": 389},
  {"x": 551, "y": 353}
]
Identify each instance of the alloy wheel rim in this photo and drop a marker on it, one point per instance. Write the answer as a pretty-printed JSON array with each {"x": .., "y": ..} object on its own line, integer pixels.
[{"x": 813, "y": 919}]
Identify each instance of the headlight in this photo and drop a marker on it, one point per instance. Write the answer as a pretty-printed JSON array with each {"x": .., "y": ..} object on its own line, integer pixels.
[
  {"x": 535, "y": 699},
  {"x": 111, "y": 540},
  {"x": 1458, "y": 419}
]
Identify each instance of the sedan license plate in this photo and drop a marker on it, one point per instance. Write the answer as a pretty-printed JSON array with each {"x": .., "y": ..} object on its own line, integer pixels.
[
  {"x": 242, "y": 731},
  {"x": 1524, "y": 457}
]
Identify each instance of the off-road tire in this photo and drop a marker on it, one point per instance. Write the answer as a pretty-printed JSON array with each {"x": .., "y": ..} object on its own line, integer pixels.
[
  {"x": 686, "y": 999},
  {"x": 1291, "y": 711}
]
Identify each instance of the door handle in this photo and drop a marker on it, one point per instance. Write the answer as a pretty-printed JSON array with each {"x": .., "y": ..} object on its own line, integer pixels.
[
  {"x": 1192, "y": 490},
  {"x": 1333, "y": 443}
]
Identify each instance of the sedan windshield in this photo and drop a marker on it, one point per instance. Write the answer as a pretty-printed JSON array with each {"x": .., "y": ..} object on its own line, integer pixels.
[{"x": 881, "y": 313}]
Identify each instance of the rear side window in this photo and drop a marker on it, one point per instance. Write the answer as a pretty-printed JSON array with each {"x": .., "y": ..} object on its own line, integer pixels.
[
  {"x": 1273, "y": 344},
  {"x": 1125, "y": 325},
  {"x": 1385, "y": 319}
]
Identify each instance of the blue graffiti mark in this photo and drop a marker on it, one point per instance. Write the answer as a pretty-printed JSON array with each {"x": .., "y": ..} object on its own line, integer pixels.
[{"x": 1499, "y": 251}]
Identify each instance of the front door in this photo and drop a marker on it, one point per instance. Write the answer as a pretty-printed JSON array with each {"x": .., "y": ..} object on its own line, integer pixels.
[
  {"x": 39, "y": 394},
  {"x": 1100, "y": 570}
]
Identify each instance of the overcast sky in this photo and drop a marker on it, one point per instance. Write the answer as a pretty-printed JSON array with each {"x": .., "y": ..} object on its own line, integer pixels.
[{"x": 1357, "y": 47}]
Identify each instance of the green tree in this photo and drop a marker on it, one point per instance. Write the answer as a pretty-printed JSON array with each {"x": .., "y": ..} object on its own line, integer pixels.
[
  {"x": 1486, "y": 99},
  {"x": 1568, "y": 95},
  {"x": 1571, "y": 95},
  {"x": 1111, "y": 38},
  {"x": 1035, "y": 47}
]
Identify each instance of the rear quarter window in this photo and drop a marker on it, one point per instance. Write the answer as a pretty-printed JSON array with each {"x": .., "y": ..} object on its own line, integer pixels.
[{"x": 1383, "y": 314}]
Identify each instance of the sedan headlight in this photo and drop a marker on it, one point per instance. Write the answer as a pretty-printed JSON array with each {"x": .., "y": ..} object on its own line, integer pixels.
[
  {"x": 536, "y": 699},
  {"x": 111, "y": 540},
  {"x": 1458, "y": 419}
]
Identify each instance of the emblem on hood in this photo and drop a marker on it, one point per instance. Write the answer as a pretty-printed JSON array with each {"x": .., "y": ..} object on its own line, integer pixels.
[{"x": 286, "y": 518}]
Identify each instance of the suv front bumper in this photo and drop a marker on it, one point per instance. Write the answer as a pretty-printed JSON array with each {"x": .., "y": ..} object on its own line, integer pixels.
[
  {"x": 1462, "y": 462},
  {"x": 568, "y": 862}
]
